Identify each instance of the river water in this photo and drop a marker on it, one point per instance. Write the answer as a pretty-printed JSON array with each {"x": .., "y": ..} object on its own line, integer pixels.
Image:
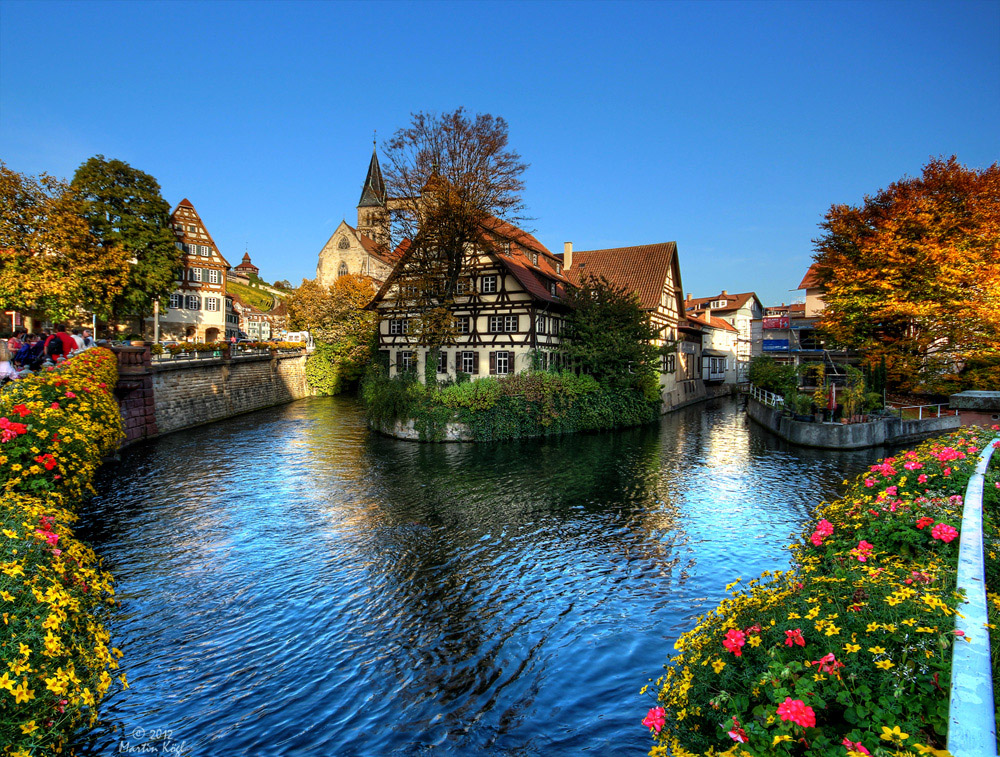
[{"x": 293, "y": 584}]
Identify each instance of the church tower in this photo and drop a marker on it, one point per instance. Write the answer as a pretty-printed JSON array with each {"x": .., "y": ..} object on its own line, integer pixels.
[{"x": 373, "y": 217}]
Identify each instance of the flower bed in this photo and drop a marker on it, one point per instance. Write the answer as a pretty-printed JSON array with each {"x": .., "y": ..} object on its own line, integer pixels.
[
  {"x": 55, "y": 661},
  {"x": 848, "y": 653}
]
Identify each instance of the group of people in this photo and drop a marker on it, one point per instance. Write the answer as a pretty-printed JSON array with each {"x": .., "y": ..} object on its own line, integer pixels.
[{"x": 22, "y": 352}]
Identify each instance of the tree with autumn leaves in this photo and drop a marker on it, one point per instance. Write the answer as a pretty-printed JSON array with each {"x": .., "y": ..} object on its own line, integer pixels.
[
  {"x": 912, "y": 276},
  {"x": 51, "y": 265},
  {"x": 343, "y": 331}
]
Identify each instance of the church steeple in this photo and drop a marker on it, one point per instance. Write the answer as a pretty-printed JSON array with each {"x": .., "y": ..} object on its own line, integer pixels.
[{"x": 373, "y": 191}]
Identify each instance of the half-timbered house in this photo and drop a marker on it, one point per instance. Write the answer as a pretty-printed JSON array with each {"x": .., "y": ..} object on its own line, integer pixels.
[
  {"x": 196, "y": 310},
  {"x": 653, "y": 273},
  {"x": 506, "y": 315}
]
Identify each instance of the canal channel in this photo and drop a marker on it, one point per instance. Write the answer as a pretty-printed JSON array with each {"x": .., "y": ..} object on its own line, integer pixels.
[{"x": 293, "y": 584}]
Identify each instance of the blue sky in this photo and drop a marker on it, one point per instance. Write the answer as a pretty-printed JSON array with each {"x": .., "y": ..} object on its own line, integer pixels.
[{"x": 728, "y": 127}]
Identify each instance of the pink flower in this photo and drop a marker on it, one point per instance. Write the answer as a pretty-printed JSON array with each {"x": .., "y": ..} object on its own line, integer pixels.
[
  {"x": 913, "y": 465},
  {"x": 922, "y": 523},
  {"x": 947, "y": 471},
  {"x": 862, "y": 550},
  {"x": 54, "y": 405},
  {"x": 891, "y": 491},
  {"x": 794, "y": 637},
  {"x": 797, "y": 711},
  {"x": 854, "y": 746},
  {"x": 921, "y": 479},
  {"x": 734, "y": 640},
  {"x": 828, "y": 664},
  {"x": 944, "y": 532},
  {"x": 738, "y": 734},
  {"x": 869, "y": 482},
  {"x": 824, "y": 527},
  {"x": 655, "y": 718}
]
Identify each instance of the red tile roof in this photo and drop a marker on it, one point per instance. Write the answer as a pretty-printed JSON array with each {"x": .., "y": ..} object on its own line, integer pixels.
[
  {"x": 811, "y": 279},
  {"x": 642, "y": 269},
  {"x": 733, "y": 301},
  {"x": 717, "y": 323}
]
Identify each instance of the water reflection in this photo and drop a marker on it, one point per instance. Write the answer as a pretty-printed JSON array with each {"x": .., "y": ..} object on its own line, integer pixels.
[{"x": 294, "y": 585}]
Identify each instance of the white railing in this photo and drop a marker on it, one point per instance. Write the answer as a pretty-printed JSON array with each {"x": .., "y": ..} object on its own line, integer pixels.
[
  {"x": 767, "y": 398},
  {"x": 925, "y": 411},
  {"x": 971, "y": 727}
]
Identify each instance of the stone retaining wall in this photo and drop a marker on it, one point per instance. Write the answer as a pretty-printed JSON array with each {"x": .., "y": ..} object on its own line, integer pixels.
[
  {"x": 848, "y": 436},
  {"x": 161, "y": 397}
]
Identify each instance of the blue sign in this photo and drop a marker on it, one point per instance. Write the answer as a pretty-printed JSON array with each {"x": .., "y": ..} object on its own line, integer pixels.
[{"x": 776, "y": 345}]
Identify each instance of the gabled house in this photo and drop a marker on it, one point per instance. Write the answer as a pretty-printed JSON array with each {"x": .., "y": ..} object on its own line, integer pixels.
[
  {"x": 507, "y": 314},
  {"x": 196, "y": 310},
  {"x": 653, "y": 273},
  {"x": 719, "y": 364},
  {"x": 743, "y": 311}
]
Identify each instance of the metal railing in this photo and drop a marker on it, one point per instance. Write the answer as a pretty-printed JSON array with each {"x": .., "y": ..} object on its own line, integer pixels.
[
  {"x": 767, "y": 398},
  {"x": 971, "y": 727},
  {"x": 924, "y": 411}
]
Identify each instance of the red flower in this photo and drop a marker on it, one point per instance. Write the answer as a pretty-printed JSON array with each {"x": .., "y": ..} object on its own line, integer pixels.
[
  {"x": 21, "y": 410},
  {"x": 924, "y": 522},
  {"x": 794, "y": 637},
  {"x": 944, "y": 532},
  {"x": 655, "y": 718},
  {"x": 797, "y": 711},
  {"x": 738, "y": 734},
  {"x": 828, "y": 664},
  {"x": 55, "y": 405},
  {"x": 734, "y": 640}
]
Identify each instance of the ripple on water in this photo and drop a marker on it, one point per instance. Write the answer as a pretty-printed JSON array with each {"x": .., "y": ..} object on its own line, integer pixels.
[{"x": 294, "y": 585}]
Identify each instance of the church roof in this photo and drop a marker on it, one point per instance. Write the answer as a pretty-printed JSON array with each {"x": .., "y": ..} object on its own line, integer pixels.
[{"x": 373, "y": 192}]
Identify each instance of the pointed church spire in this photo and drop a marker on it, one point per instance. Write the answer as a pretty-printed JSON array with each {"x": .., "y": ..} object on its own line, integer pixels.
[{"x": 373, "y": 191}]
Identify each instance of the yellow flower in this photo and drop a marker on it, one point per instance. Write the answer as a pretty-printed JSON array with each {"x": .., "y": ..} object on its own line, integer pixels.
[
  {"x": 884, "y": 664},
  {"x": 794, "y": 616},
  {"x": 7, "y": 596},
  {"x": 779, "y": 739},
  {"x": 10, "y": 534},
  {"x": 832, "y": 630},
  {"x": 754, "y": 641},
  {"x": 872, "y": 627},
  {"x": 29, "y": 727},
  {"x": 895, "y": 735},
  {"x": 909, "y": 622},
  {"x": 926, "y": 629},
  {"x": 876, "y": 650},
  {"x": 718, "y": 665},
  {"x": 21, "y": 692},
  {"x": 852, "y": 648}
]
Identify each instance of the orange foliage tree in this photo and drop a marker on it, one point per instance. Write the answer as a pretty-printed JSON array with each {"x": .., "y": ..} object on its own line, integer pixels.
[
  {"x": 51, "y": 266},
  {"x": 913, "y": 276}
]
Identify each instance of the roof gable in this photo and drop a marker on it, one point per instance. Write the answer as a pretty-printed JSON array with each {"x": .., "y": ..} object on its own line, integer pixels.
[
  {"x": 642, "y": 269},
  {"x": 185, "y": 215}
]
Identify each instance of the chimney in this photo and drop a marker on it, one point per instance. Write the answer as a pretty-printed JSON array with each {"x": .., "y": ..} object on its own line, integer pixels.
[
  {"x": 688, "y": 297},
  {"x": 724, "y": 292},
  {"x": 567, "y": 254},
  {"x": 708, "y": 314}
]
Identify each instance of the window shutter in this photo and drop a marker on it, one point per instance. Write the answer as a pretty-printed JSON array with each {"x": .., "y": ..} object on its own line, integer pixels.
[
  {"x": 475, "y": 363},
  {"x": 493, "y": 364},
  {"x": 399, "y": 362}
]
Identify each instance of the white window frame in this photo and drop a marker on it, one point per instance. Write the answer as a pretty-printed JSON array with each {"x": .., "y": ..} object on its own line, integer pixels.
[
  {"x": 406, "y": 361},
  {"x": 213, "y": 276},
  {"x": 506, "y": 357},
  {"x": 511, "y": 323},
  {"x": 398, "y": 326},
  {"x": 195, "y": 274},
  {"x": 463, "y": 324},
  {"x": 541, "y": 324},
  {"x": 212, "y": 304},
  {"x": 192, "y": 298},
  {"x": 489, "y": 284},
  {"x": 205, "y": 251},
  {"x": 175, "y": 301}
]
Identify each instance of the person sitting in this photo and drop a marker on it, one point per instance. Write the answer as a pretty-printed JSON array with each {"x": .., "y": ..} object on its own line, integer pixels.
[{"x": 7, "y": 371}]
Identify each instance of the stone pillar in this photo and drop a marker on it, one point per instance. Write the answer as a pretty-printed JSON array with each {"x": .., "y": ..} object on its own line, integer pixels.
[{"x": 135, "y": 393}]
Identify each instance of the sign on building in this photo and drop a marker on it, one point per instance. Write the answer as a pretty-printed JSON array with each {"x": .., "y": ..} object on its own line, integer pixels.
[{"x": 775, "y": 345}]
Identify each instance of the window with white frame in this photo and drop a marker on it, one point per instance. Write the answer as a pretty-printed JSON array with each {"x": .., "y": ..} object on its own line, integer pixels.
[
  {"x": 205, "y": 252},
  {"x": 488, "y": 285},
  {"x": 399, "y": 326},
  {"x": 510, "y": 323},
  {"x": 192, "y": 302},
  {"x": 462, "y": 324},
  {"x": 406, "y": 362},
  {"x": 460, "y": 287},
  {"x": 212, "y": 304},
  {"x": 552, "y": 288},
  {"x": 502, "y": 323},
  {"x": 669, "y": 363},
  {"x": 534, "y": 258},
  {"x": 192, "y": 227},
  {"x": 175, "y": 301},
  {"x": 213, "y": 276},
  {"x": 442, "y": 361},
  {"x": 542, "y": 324},
  {"x": 468, "y": 361},
  {"x": 505, "y": 246},
  {"x": 558, "y": 267},
  {"x": 195, "y": 274},
  {"x": 503, "y": 363}
]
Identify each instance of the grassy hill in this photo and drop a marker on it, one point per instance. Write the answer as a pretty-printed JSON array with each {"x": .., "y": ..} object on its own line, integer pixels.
[{"x": 250, "y": 295}]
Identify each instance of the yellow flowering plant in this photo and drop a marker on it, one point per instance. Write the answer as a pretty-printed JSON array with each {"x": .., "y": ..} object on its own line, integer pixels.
[
  {"x": 55, "y": 660},
  {"x": 853, "y": 643}
]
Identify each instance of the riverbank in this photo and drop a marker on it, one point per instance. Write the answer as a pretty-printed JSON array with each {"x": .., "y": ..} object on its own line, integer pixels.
[
  {"x": 55, "y": 657},
  {"x": 498, "y": 408},
  {"x": 852, "y": 647}
]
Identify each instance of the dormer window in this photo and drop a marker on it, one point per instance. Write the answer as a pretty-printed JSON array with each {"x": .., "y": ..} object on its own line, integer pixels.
[
  {"x": 558, "y": 267},
  {"x": 534, "y": 258},
  {"x": 717, "y": 304},
  {"x": 505, "y": 247}
]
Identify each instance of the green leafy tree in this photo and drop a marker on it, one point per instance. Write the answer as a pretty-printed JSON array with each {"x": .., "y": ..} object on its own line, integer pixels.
[
  {"x": 912, "y": 277},
  {"x": 51, "y": 266},
  {"x": 125, "y": 210},
  {"x": 608, "y": 335}
]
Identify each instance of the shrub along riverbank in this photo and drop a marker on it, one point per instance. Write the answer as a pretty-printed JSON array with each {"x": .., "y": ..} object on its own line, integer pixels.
[
  {"x": 55, "y": 658},
  {"x": 505, "y": 407},
  {"x": 849, "y": 653}
]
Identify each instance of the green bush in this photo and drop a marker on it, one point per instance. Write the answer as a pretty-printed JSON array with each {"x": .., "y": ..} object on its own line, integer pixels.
[{"x": 766, "y": 373}]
